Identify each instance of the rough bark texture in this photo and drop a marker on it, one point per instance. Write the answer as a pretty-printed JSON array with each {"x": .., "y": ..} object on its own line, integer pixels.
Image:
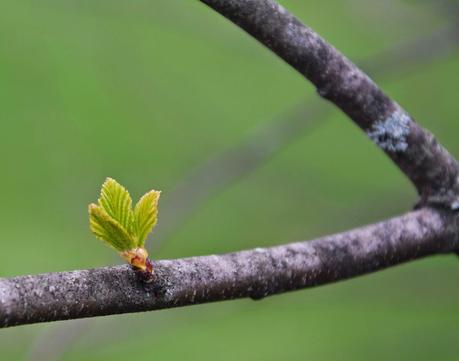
[
  {"x": 256, "y": 273},
  {"x": 266, "y": 271},
  {"x": 229, "y": 166},
  {"x": 415, "y": 151}
]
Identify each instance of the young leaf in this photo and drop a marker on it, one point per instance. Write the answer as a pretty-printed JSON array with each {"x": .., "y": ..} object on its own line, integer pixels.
[
  {"x": 109, "y": 230},
  {"x": 124, "y": 229},
  {"x": 117, "y": 203},
  {"x": 145, "y": 215}
]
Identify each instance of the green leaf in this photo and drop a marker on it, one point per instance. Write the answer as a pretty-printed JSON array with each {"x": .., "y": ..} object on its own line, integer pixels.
[
  {"x": 114, "y": 221},
  {"x": 109, "y": 230},
  {"x": 146, "y": 215},
  {"x": 117, "y": 203}
]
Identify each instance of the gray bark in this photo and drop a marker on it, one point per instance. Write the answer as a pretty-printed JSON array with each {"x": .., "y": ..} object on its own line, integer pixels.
[
  {"x": 255, "y": 273},
  {"x": 432, "y": 229},
  {"x": 414, "y": 150}
]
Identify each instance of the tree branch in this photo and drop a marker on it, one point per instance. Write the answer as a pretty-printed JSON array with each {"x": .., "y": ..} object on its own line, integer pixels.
[
  {"x": 257, "y": 147},
  {"x": 262, "y": 143},
  {"x": 266, "y": 271},
  {"x": 414, "y": 150},
  {"x": 256, "y": 273}
]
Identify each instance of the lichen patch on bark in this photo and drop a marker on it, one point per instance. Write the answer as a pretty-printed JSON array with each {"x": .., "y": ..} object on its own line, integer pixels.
[{"x": 391, "y": 133}]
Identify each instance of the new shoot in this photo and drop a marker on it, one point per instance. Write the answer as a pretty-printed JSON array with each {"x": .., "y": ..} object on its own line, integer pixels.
[{"x": 114, "y": 221}]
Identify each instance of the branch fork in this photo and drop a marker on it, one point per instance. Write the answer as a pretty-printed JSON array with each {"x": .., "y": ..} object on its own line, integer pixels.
[{"x": 431, "y": 229}]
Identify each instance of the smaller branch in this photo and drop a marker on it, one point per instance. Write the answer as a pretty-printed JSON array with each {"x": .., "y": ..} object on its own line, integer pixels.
[
  {"x": 260, "y": 145},
  {"x": 429, "y": 166},
  {"x": 256, "y": 273}
]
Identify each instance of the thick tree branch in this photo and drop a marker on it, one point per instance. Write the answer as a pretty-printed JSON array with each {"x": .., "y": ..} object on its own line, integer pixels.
[
  {"x": 266, "y": 271},
  {"x": 415, "y": 151},
  {"x": 256, "y": 273}
]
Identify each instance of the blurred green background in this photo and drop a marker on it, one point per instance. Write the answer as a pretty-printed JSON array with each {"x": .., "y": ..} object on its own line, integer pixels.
[{"x": 148, "y": 91}]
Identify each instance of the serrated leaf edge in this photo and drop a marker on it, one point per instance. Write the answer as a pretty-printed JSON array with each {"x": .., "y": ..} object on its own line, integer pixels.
[
  {"x": 95, "y": 211},
  {"x": 143, "y": 227}
]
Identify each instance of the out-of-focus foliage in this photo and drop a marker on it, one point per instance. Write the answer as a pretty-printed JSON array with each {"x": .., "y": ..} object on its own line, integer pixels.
[{"x": 144, "y": 91}]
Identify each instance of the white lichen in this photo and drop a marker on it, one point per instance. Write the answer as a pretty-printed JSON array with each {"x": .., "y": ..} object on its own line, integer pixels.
[
  {"x": 455, "y": 205},
  {"x": 391, "y": 133}
]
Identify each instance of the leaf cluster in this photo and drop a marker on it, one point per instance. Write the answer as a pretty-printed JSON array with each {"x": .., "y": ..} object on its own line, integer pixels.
[{"x": 114, "y": 221}]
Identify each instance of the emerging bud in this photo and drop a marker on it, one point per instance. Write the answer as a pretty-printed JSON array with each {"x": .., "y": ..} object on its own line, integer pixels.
[{"x": 138, "y": 257}]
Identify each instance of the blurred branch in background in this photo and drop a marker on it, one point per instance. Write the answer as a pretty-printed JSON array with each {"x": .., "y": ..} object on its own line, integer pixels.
[
  {"x": 239, "y": 160},
  {"x": 226, "y": 168},
  {"x": 51, "y": 345},
  {"x": 261, "y": 272},
  {"x": 403, "y": 57},
  {"x": 450, "y": 8}
]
